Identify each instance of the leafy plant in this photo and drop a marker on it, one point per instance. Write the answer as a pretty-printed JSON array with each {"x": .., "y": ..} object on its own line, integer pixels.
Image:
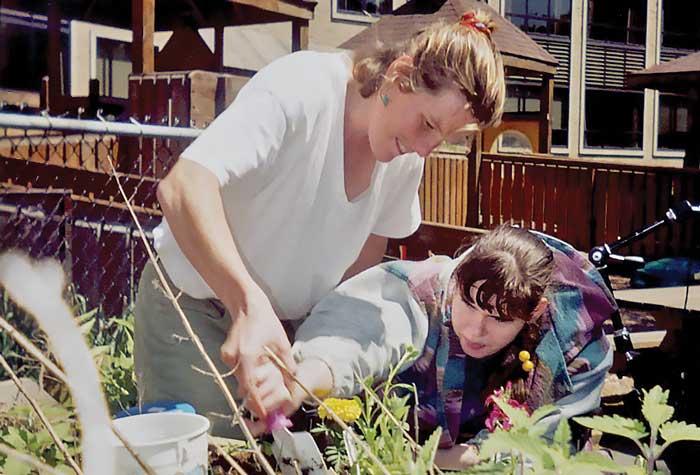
[
  {"x": 382, "y": 423},
  {"x": 21, "y": 429},
  {"x": 112, "y": 345},
  {"x": 658, "y": 415},
  {"x": 111, "y": 342},
  {"x": 13, "y": 353},
  {"x": 522, "y": 448}
]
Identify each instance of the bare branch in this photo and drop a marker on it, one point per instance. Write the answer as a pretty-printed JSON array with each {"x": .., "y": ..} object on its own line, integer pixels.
[{"x": 42, "y": 417}]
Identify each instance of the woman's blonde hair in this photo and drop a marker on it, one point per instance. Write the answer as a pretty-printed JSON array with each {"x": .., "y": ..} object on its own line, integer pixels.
[{"x": 457, "y": 55}]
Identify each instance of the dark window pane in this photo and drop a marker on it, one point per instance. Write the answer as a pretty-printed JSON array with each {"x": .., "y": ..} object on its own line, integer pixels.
[
  {"x": 680, "y": 23},
  {"x": 560, "y": 117},
  {"x": 674, "y": 122},
  {"x": 561, "y": 8},
  {"x": 369, "y": 6},
  {"x": 517, "y": 21},
  {"x": 536, "y": 26},
  {"x": 614, "y": 118},
  {"x": 516, "y": 6},
  {"x": 622, "y": 22},
  {"x": 538, "y": 8}
]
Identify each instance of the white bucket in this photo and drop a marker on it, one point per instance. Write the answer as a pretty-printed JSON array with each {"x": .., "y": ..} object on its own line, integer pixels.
[{"x": 171, "y": 443}]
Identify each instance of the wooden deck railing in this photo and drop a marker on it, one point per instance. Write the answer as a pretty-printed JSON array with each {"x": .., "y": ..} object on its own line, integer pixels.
[{"x": 583, "y": 202}]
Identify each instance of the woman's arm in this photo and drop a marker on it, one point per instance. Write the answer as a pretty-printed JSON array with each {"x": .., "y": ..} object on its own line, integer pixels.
[
  {"x": 371, "y": 254},
  {"x": 192, "y": 204}
]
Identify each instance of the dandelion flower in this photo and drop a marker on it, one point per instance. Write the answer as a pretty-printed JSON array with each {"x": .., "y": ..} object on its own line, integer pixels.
[{"x": 348, "y": 410}]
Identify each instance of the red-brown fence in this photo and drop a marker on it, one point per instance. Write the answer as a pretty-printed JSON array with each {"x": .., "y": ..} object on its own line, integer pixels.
[
  {"x": 584, "y": 202},
  {"x": 588, "y": 202}
]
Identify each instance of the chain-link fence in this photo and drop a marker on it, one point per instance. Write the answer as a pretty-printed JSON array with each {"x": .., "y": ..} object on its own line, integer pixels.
[{"x": 59, "y": 197}]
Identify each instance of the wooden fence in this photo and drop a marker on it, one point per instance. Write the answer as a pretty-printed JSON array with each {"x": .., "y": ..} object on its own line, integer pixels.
[{"x": 584, "y": 202}]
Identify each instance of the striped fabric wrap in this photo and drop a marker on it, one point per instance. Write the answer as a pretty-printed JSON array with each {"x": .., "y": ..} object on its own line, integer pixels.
[{"x": 571, "y": 336}]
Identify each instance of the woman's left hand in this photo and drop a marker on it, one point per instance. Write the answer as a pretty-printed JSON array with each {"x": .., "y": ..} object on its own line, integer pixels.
[{"x": 458, "y": 457}]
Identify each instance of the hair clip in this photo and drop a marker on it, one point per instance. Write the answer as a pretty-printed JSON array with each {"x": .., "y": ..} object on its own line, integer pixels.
[
  {"x": 524, "y": 357},
  {"x": 469, "y": 20}
]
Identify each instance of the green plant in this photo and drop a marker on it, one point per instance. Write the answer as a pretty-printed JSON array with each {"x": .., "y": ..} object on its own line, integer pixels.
[
  {"x": 13, "y": 353},
  {"x": 658, "y": 415},
  {"x": 382, "y": 424},
  {"x": 112, "y": 345},
  {"x": 21, "y": 429},
  {"x": 529, "y": 452}
]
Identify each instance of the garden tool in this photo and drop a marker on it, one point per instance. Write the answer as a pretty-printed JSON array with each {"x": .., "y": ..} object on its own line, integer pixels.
[{"x": 295, "y": 452}]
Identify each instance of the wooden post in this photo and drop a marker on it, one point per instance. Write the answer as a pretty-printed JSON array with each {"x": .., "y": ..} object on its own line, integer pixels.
[
  {"x": 692, "y": 147},
  {"x": 546, "y": 100},
  {"x": 300, "y": 35},
  {"x": 219, "y": 47},
  {"x": 474, "y": 164},
  {"x": 143, "y": 16},
  {"x": 54, "y": 58}
]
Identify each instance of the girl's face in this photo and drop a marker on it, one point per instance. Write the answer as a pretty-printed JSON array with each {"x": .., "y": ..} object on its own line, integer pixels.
[
  {"x": 415, "y": 121},
  {"x": 481, "y": 333}
]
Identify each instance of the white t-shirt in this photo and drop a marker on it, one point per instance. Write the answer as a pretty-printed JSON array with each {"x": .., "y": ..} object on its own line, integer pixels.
[{"x": 278, "y": 154}]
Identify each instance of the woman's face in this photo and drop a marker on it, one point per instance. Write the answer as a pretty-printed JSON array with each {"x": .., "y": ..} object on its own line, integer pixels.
[
  {"x": 415, "y": 121},
  {"x": 481, "y": 333}
]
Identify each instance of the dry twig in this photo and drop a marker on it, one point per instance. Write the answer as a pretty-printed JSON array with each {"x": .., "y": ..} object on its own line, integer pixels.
[
  {"x": 28, "y": 459},
  {"x": 190, "y": 331},
  {"x": 42, "y": 417},
  {"x": 36, "y": 353},
  {"x": 231, "y": 461}
]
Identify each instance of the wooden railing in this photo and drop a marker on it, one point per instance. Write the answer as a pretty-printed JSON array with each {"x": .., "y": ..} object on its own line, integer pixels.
[
  {"x": 583, "y": 202},
  {"x": 447, "y": 180}
]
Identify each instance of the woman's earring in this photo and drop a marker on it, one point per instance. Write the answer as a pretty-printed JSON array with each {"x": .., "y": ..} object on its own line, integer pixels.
[
  {"x": 385, "y": 99},
  {"x": 524, "y": 357}
]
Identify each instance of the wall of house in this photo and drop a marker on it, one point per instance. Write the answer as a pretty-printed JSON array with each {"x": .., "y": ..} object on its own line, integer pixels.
[
  {"x": 83, "y": 51},
  {"x": 597, "y": 43}
]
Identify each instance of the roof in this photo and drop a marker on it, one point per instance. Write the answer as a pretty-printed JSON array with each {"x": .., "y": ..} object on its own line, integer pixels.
[
  {"x": 171, "y": 13},
  {"x": 669, "y": 75},
  {"x": 519, "y": 51}
]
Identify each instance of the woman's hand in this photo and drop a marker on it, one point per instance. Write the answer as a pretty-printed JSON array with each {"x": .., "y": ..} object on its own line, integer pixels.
[
  {"x": 314, "y": 374},
  {"x": 459, "y": 457},
  {"x": 256, "y": 328}
]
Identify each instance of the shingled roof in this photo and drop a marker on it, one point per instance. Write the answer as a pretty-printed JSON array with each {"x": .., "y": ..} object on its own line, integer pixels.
[
  {"x": 672, "y": 73},
  {"x": 519, "y": 51}
]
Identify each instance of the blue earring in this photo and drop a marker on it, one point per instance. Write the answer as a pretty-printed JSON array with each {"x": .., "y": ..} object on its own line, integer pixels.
[{"x": 385, "y": 99}]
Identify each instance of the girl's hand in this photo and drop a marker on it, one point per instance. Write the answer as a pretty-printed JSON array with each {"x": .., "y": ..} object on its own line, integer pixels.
[{"x": 459, "y": 457}]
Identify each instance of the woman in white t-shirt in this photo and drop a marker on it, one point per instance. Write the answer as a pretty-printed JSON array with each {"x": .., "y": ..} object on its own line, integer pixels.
[{"x": 293, "y": 188}]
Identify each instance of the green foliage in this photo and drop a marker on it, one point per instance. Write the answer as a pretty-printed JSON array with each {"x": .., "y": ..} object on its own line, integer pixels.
[
  {"x": 13, "y": 353},
  {"x": 111, "y": 343},
  {"x": 616, "y": 425},
  {"x": 657, "y": 413},
  {"x": 526, "y": 451},
  {"x": 21, "y": 429},
  {"x": 377, "y": 427}
]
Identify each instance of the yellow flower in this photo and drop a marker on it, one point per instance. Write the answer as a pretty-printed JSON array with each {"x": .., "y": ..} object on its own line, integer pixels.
[{"x": 348, "y": 410}]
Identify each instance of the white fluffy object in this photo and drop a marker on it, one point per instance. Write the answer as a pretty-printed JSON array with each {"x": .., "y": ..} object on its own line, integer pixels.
[{"x": 38, "y": 286}]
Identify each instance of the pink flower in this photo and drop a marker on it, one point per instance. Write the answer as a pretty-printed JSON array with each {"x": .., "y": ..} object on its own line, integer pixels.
[{"x": 497, "y": 418}]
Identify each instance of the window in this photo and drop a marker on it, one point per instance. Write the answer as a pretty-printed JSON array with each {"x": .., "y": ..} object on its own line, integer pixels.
[
  {"x": 373, "y": 7},
  {"x": 674, "y": 122},
  {"x": 560, "y": 117},
  {"x": 113, "y": 67},
  {"x": 614, "y": 118},
  {"x": 522, "y": 98},
  {"x": 550, "y": 17},
  {"x": 680, "y": 20},
  {"x": 621, "y": 21},
  {"x": 526, "y": 98}
]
